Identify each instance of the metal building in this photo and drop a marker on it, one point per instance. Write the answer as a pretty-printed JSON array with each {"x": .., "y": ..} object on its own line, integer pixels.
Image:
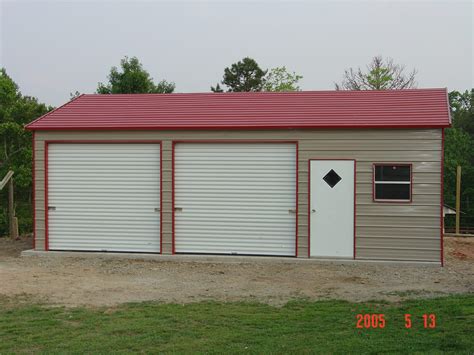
[{"x": 328, "y": 174}]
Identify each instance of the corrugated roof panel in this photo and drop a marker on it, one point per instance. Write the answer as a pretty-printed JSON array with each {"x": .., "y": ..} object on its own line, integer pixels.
[{"x": 304, "y": 109}]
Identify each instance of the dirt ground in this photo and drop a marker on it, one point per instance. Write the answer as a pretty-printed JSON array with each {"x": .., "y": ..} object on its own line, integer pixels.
[{"x": 75, "y": 281}]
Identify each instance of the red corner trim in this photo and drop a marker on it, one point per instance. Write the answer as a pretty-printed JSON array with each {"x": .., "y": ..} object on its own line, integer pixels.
[
  {"x": 173, "y": 198},
  {"x": 161, "y": 198},
  {"x": 46, "y": 196},
  {"x": 34, "y": 190},
  {"x": 296, "y": 202},
  {"x": 355, "y": 205},
  {"x": 442, "y": 199},
  {"x": 309, "y": 208}
]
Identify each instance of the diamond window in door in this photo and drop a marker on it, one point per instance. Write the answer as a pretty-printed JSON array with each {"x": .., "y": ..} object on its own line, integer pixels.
[{"x": 331, "y": 178}]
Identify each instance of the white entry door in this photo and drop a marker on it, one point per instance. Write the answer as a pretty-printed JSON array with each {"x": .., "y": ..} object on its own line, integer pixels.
[{"x": 332, "y": 208}]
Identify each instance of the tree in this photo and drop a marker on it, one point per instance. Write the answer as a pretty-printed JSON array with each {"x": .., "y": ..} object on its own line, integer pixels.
[
  {"x": 15, "y": 148},
  {"x": 462, "y": 110},
  {"x": 459, "y": 150},
  {"x": 382, "y": 74},
  {"x": 245, "y": 75},
  {"x": 133, "y": 79},
  {"x": 216, "y": 88},
  {"x": 279, "y": 79},
  {"x": 75, "y": 95}
]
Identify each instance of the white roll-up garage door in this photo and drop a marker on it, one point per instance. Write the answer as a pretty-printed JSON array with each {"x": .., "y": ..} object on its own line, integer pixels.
[
  {"x": 104, "y": 197},
  {"x": 235, "y": 198}
]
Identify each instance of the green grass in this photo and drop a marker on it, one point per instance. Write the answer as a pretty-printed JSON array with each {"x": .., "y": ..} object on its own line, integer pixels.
[{"x": 300, "y": 326}]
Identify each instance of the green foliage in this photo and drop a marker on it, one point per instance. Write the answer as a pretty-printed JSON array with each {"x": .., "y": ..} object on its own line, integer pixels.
[
  {"x": 8, "y": 94},
  {"x": 381, "y": 74},
  {"x": 279, "y": 79},
  {"x": 15, "y": 148},
  {"x": 74, "y": 95},
  {"x": 245, "y": 75},
  {"x": 462, "y": 110},
  {"x": 216, "y": 88},
  {"x": 133, "y": 79},
  {"x": 299, "y": 327},
  {"x": 379, "y": 78},
  {"x": 459, "y": 150}
]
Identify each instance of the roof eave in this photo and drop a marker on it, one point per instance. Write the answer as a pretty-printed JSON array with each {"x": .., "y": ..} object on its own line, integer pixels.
[
  {"x": 27, "y": 126},
  {"x": 203, "y": 128}
]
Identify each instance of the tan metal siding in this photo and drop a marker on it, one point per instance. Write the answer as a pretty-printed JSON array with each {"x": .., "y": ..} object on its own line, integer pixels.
[{"x": 382, "y": 229}]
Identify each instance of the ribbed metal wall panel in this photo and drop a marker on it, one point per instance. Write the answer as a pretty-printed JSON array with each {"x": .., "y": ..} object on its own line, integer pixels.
[
  {"x": 235, "y": 198},
  {"x": 383, "y": 224},
  {"x": 103, "y": 197}
]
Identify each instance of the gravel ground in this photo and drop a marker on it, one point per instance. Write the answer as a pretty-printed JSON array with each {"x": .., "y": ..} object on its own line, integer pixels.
[{"x": 75, "y": 281}]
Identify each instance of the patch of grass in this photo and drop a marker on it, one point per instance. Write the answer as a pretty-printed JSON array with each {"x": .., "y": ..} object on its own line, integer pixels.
[
  {"x": 408, "y": 293},
  {"x": 300, "y": 326}
]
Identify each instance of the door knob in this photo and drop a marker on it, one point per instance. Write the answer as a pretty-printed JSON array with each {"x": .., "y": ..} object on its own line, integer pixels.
[{"x": 313, "y": 210}]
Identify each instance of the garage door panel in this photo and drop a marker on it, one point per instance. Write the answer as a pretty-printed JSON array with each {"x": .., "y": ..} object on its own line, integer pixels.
[
  {"x": 104, "y": 197},
  {"x": 235, "y": 198}
]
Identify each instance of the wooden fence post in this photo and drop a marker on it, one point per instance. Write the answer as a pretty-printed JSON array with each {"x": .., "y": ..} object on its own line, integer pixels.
[
  {"x": 458, "y": 199},
  {"x": 13, "y": 222}
]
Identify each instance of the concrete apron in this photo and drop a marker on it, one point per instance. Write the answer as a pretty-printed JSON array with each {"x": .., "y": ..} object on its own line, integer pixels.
[{"x": 226, "y": 259}]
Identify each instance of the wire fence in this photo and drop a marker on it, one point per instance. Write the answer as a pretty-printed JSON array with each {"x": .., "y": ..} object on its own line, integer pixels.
[{"x": 466, "y": 224}]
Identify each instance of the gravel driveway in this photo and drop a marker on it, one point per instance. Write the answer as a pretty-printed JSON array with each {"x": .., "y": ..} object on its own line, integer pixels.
[{"x": 74, "y": 281}]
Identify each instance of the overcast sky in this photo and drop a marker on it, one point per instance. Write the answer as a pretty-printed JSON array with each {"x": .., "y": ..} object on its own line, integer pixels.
[{"x": 53, "y": 48}]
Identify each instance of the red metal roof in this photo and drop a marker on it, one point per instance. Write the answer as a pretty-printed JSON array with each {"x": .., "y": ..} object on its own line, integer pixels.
[{"x": 262, "y": 110}]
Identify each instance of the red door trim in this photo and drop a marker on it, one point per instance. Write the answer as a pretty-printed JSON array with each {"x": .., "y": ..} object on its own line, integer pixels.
[
  {"x": 92, "y": 141},
  {"x": 309, "y": 200},
  {"x": 230, "y": 141}
]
